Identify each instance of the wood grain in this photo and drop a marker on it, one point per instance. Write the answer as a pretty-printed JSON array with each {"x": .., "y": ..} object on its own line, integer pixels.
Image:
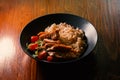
[{"x": 104, "y": 64}]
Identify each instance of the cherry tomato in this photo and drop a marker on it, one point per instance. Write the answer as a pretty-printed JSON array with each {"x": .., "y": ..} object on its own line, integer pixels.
[
  {"x": 42, "y": 55},
  {"x": 34, "y": 38},
  {"x": 32, "y": 46},
  {"x": 49, "y": 58}
]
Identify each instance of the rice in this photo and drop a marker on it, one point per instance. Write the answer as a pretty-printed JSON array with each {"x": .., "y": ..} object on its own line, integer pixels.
[{"x": 70, "y": 36}]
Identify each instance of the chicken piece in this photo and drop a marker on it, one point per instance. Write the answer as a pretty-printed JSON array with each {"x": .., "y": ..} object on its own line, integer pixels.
[
  {"x": 43, "y": 35},
  {"x": 55, "y": 34},
  {"x": 51, "y": 41},
  {"x": 40, "y": 33},
  {"x": 51, "y": 35},
  {"x": 60, "y": 48},
  {"x": 47, "y": 45}
]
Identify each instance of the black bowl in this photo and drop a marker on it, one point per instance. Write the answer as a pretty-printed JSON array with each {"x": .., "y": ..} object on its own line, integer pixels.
[{"x": 40, "y": 23}]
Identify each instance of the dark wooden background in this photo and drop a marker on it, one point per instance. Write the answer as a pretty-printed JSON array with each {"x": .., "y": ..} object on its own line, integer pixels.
[{"x": 102, "y": 64}]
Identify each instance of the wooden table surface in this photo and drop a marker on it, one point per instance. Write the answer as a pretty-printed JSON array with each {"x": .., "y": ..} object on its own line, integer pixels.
[{"x": 102, "y": 64}]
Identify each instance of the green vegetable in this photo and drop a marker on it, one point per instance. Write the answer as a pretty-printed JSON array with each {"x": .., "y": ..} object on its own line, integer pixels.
[{"x": 34, "y": 55}]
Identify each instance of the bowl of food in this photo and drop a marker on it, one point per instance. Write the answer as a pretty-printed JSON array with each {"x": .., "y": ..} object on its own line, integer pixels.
[{"x": 58, "y": 38}]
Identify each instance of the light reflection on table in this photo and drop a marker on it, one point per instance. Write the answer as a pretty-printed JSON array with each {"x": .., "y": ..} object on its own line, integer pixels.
[{"x": 7, "y": 48}]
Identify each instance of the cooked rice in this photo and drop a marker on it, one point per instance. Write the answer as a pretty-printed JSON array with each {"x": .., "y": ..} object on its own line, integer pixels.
[{"x": 70, "y": 36}]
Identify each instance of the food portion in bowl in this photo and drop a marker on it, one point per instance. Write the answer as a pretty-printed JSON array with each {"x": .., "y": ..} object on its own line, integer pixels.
[{"x": 58, "y": 42}]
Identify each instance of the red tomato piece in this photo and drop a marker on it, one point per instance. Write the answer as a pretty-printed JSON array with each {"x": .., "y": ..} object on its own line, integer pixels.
[
  {"x": 32, "y": 46},
  {"x": 34, "y": 38},
  {"x": 49, "y": 58},
  {"x": 42, "y": 55}
]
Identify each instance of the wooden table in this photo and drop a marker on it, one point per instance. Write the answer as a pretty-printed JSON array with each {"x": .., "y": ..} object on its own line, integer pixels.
[{"x": 102, "y": 64}]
